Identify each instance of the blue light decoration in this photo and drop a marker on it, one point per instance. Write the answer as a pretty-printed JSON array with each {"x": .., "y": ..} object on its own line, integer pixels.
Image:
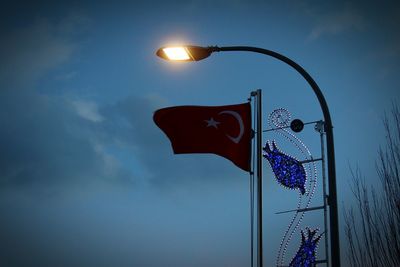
[
  {"x": 306, "y": 255},
  {"x": 288, "y": 171},
  {"x": 291, "y": 173}
]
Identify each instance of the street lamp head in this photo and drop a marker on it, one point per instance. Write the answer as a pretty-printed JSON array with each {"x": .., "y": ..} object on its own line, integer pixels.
[{"x": 184, "y": 53}]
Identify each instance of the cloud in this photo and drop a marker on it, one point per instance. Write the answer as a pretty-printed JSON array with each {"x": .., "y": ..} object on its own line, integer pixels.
[
  {"x": 53, "y": 140},
  {"x": 336, "y": 23},
  {"x": 43, "y": 140},
  {"x": 87, "y": 110}
]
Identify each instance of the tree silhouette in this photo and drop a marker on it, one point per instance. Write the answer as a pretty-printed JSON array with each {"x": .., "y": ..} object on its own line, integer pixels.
[{"x": 373, "y": 226}]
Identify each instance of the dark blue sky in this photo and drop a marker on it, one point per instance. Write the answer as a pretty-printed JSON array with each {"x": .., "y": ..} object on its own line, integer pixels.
[{"x": 87, "y": 179}]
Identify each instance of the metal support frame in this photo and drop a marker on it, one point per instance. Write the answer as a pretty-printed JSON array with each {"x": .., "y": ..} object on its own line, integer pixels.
[
  {"x": 319, "y": 127},
  {"x": 332, "y": 198}
]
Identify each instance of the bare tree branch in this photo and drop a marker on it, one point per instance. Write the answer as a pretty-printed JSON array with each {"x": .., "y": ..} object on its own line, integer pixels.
[{"x": 374, "y": 233}]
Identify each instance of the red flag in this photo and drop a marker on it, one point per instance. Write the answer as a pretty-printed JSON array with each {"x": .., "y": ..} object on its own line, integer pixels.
[{"x": 222, "y": 130}]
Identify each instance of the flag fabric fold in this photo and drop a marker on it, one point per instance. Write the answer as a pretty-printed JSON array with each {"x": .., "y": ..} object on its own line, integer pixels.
[{"x": 221, "y": 130}]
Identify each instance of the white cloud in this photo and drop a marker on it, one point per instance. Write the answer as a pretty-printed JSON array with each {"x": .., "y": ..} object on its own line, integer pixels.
[
  {"x": 87, "y": 110},
  {"x": 336, "y": 23},
  {"x": 111, "y": 164}
]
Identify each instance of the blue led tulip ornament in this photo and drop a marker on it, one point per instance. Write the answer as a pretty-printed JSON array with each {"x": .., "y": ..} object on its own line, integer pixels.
[
  {"x": 306, "y": 255},
  {"x": 288, "y": 171}
]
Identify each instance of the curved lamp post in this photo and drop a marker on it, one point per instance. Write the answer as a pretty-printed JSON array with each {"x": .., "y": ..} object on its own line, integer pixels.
[{"x": 196, "y": 53}]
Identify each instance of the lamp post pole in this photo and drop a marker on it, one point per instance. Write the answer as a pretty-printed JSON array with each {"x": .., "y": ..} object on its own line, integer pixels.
[
  {"x": 332, "y": 198},
  {"x": 196, "y": 53}
]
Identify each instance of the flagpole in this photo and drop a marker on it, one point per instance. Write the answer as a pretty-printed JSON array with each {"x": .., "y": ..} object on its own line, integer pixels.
[
  {"x": 259, "y": 179},
  {"x": 257, "y": 94}
]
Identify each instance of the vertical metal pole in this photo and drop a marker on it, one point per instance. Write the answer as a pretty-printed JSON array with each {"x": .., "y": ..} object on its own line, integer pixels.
[
  {"x": 259, "y": 179},
  {"x": 253, "y": 94},
  {"x": 321, "y": 128}
]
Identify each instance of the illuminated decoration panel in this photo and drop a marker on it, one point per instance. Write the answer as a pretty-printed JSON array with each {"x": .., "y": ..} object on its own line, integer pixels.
[
  {"x": 288, "y": 171},
  {"x": 306, "y": 255},
  {"x": 280, "y": 119}
]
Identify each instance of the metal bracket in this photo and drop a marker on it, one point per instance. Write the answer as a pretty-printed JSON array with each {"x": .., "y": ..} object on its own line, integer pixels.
[
  {"x": 320, "y": 126},
  {"x": 310, "y": 160},
  {"x": 302, "y": 210}
]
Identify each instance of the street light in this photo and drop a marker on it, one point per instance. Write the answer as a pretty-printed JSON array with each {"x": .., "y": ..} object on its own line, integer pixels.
[
  {"x": 195, "y": 53},
  {"x": 184, "y": 53}
]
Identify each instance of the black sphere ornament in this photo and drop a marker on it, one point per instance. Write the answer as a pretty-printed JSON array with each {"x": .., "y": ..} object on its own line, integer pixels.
[{"x": 296, "y": 125}]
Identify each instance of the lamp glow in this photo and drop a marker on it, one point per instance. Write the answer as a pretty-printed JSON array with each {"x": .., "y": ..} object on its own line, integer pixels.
[
  {"x": 176, "y": 53},
  {"x": 184, "y": 53}
]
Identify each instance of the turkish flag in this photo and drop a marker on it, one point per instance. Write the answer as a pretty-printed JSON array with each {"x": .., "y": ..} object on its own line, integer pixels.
[{"x": 222, "y": 130}]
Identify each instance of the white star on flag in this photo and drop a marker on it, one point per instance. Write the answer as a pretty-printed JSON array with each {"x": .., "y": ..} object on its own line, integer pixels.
[{"x": 212, "y": 123}]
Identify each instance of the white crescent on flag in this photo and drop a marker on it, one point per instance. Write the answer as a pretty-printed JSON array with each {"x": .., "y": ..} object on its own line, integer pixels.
[{"x": 241, "y": 126}]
